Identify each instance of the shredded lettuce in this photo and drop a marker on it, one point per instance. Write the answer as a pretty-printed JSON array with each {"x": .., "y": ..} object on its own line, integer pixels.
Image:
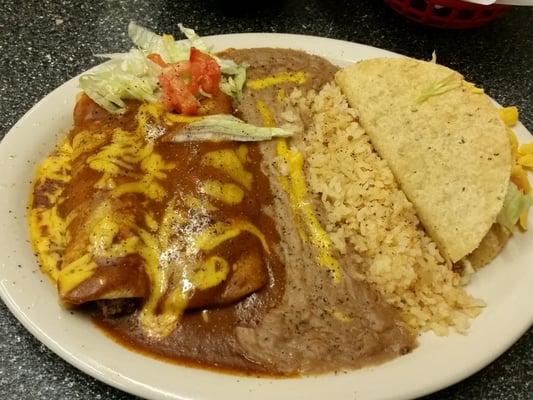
[
  {"x": 233, "y": 74},
  {"x": 150, "y": 42},
  {"x": 233, "y": 78},
  {"x": 223, "y": 127},
  {"x": 514, "y": 205},
  {"x": 446, "y": 84},
  {"x": 133, "y": 76},
  {"x": 195, "y": 40},
  {"x": 126, "y": 76}
]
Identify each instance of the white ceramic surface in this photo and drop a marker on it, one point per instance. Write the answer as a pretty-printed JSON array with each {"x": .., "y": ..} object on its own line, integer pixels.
[{"x": 506, "y": 285}]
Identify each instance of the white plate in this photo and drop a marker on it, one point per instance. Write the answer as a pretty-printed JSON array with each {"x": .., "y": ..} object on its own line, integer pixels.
[{"x": 438, "y": 362}]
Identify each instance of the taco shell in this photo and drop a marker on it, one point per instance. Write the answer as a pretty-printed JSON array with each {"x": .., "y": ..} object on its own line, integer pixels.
[{"x": 442, "y": 138}]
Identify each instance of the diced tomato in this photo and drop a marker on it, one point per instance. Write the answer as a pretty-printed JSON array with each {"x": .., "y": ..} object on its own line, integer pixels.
[
  {"x": 176, "y": 95},
  {"x": 157, "y": 59},
  {"x": 204, "y": 71},
  {"x": 181, "y": 81},
  {"x": 182, "y": 69}
]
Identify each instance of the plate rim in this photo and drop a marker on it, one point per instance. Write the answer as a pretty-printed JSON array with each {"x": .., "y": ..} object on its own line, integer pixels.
[{"x": 138, "y": 388}]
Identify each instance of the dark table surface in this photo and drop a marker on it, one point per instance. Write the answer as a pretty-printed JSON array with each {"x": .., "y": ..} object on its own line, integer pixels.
[{"x": 44, "y": 43}]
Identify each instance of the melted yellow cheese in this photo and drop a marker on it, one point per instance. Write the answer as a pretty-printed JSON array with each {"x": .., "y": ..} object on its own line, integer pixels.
[
  {"x": 153, "y": 166},
  {"x": 171, "y": 222},
  {"x": 522, "y": 158},
  {"x": 47, "y": 228},
  {"x": 86, "y": 142},
  {"x": 229, "y": 162},
  {"x": 280, "y": 95},
  {"x": 150, "y": 251},
  {"x": 149, "y": 112},
  {"x": 154, "y": 114},
  {"x": 162, "y": 270},
  {"x": 211, "y": 273},
  {"x": 103, "y": 232},
  {"x": 520, "y": 178},
  {"x": 149, "y": 119},
  {"x": 164, "y": 263},
  {"x": 56, "y": 167},
  {"x": 118, "y": 157},
  {"x": 102, "y": 235},
  {"x": 48, "y": 237},
  {"x": 75, "y": 273},
  {"x": 150, "y": 221},
  {"x": 266, "y": 114},
  {"x": 228, "y": 193},
  {"x": 172, "y": 310},
  {"x": 103, "y": 227},
  {"x": 242, "y": 153},
  {"x": 180, "y": 118},
  {"x": 286, "y": 185},
  {"x": 297, "y": 188},
  {"x": 122, "y": 248},
  {"x": 526, "y": 148},
  {"x": 220, "y": 232},
  {"x": 523, "y": 220},
  {"x": 299, "y": 77},
  {"x": 509, "y": 115},
  {"x": 147, "y": 186},
  {"x": 202, "y": 206},
  {"x": 526, "y": 161}
]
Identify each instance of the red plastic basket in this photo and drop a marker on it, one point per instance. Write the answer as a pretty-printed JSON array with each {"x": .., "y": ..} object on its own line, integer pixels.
[{"x": 453, "y": 14}]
